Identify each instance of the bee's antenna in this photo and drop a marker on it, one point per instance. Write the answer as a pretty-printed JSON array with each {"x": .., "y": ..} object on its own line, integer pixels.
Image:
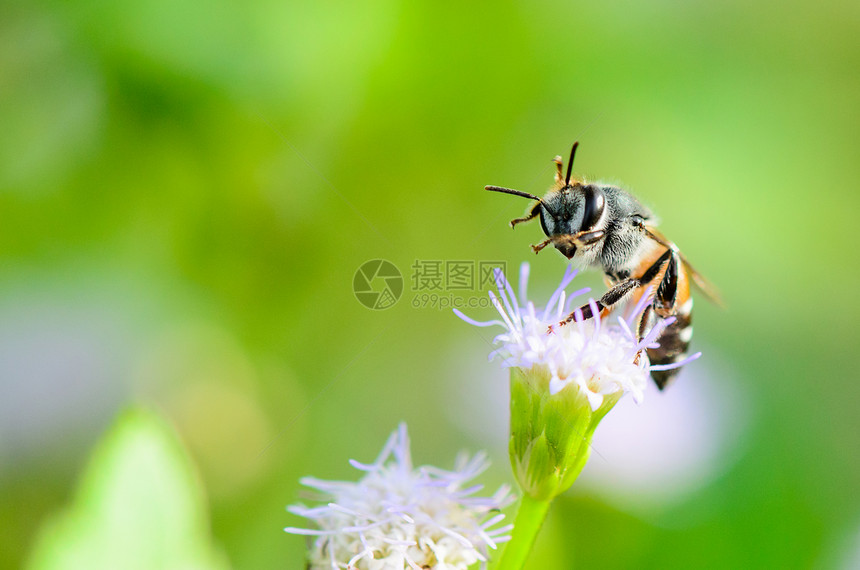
[
  {"x": 518, "y": 193},
  {"x": 512, "y": 191},
  {"x": 570, "y": 163}
]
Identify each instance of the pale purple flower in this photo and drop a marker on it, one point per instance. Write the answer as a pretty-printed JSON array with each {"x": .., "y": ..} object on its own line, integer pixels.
[
  {"x": 597, "y": 356},
  {"x": 401, "y": 517}
]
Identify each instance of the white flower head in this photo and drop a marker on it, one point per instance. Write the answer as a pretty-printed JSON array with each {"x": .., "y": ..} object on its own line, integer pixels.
[
  {"x": 597, "y": 356},
  {"x": 399, "y": 517}
]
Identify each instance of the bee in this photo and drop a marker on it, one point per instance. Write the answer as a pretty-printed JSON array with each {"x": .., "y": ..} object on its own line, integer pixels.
[{"x": 598, "y": 225}]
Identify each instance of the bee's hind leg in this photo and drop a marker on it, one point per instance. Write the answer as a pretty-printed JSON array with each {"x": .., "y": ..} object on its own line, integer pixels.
[
  {"x": 675, "y": 338},
  {"x": 623, "y": 289},
  {"x": 610, "y": 298},
  {"x": 664, "y": 303},
  {"x": 667, "y": 291}
]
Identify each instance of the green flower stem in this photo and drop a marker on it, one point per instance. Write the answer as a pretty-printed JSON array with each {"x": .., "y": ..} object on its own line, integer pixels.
[
  {"x": 550, "y": 444},
  {"x": 530, "y": 517}
]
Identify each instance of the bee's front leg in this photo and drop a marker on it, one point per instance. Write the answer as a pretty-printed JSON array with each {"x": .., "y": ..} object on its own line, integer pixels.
[
  {"x": 539, "y": 246},
  {"x": 533, "y": 212}
]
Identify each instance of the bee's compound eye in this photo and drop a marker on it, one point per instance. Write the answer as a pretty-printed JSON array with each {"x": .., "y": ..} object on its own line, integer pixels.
[
  {"x": 543, "y": 221},
  {"x": 595, "y": 202}
]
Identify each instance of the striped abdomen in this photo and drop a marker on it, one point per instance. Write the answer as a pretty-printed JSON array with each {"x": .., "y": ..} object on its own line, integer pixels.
[{"x": 673, "y": 344}]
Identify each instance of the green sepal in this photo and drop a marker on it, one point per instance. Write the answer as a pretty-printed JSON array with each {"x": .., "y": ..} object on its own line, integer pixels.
[{"x": 550, "y": 434}]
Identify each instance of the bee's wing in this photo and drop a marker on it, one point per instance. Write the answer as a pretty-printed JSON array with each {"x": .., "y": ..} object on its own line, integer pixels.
[{"x": 703, "y": 284}]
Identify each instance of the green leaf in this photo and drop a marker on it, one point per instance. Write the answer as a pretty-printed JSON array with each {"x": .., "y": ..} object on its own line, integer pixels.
[{"x": 139, "y": 505}]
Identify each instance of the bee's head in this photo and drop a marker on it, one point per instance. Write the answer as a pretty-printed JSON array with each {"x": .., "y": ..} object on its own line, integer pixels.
[{"x": 571, "y": 215}]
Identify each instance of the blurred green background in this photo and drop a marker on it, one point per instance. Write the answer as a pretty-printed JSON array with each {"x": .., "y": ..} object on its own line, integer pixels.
[{"x": 187, "y": 189}]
